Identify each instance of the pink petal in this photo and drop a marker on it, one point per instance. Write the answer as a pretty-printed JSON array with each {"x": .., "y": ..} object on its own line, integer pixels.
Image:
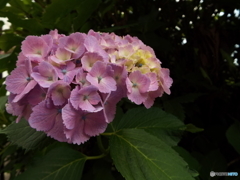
[
  {"x": 74, "y": 125},
  {"x": 95, "y": 123},
  {"x": 101, "y": 76},
  {"x": 69, "y": 115},
  {"x": 57, "y": 132},
  {"x": 74, "y": 44},
  {"x": 59, "y": 92},
  {"x": 89, "y": 59},
  {"x": 46, "y": 69},
  {"x": 61, "y": 56},
  {"x": 153, "y": 81},
  {"x": 67, "y": 72},
  {"x": 74, "y": 97},
  {"x": 21, "y": 59},
  {"x": 86, "y": 106},
  {"x": 17, "y": 80},
  {"x": 141, "y": 81},
  {"x": 85, "y": 98},
  {"x": 120, "y": 74},
  {"x": 46, "y": 74},
  {"x": 34, "y": 46},
  {"x": 36, "y": 95},
  {"x": 81, "y": 78},
  {"x": 106, "y": 85},
  {"x": 42, "y": 118},
  {"x": 92, "y": 45},
  {"x": 166, "y": 80},
  {"x": 152, "y": 95},
  {"x": 49, "y": 40},
  {"x": 136, "y": 96},
  {"x": 110, "y": 104},
  {"x": 26, "y": 90}
]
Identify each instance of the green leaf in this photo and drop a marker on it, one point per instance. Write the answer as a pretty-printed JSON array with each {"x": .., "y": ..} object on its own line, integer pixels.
[
  {"x": 53, "y": 14},
  {"x": 3, "y": 3},
  {"x": 2, "y": 56},
  {"x": 3, "y": 90},
  {"x": 193, "y": 129},
  {"x": 85, "y": 10},
  {"x": 233, "y": 135},
  {"x": 3, "y": 100},
  {"x": 175, "y": 108},
  {"x": 139, "y": 155},
  {"x": 213, "y": 161},
  {"x": 7, "y": 41},
  {"x": 165, "y": 126},
  {"x": 9, "y": 62},
  {"x": 192, "y": 162},
  {"x": 3, "y": 119},
  {"x": 205, "y": 74},
  {"x": 24, "y": 136},
  {"x": 65, "y": 23},
  {"x": 229, "y": 59},
  {"x": 59, "y": 164},
  {"x": 99, "y": 168},
  {"x": 32, "y": 25}
]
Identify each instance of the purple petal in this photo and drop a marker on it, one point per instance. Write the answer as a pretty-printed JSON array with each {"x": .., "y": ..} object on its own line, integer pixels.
[
  {"x": 95, "y": 123},
  {"x": 74, "y": 125},
  {"x": 36, "y": 95},
  {"x": 57, "y": 132},
  {"x": 85, "y": 98},
  {"x": 17, "y": 80},
  {"x": 67, "y": 72},
  {"x": 26, "y": 90},
  {"x": 46, "y": 74},
  {"x": 59, "y": 92},
  {"x": 74, "y": 97},
  {"x": 81, "y": 78},
  {"x": 107, "y": 84},
  {"x": 42, "y": 118},
  {"x": 110, "y": 104}
]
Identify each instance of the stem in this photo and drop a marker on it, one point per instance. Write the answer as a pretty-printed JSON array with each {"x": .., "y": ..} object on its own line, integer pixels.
[
  {"x": 108, "y": 134},
  {"x": 100, "y": 145},
  {"x": 96, "y": 157}
]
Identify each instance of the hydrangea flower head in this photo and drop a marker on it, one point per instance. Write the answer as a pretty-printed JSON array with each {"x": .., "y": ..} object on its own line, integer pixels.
[{"x": 69, "y": 86}]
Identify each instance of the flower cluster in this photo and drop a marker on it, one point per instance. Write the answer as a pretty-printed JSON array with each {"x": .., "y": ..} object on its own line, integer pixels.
[{"x": 69, "y": 86}]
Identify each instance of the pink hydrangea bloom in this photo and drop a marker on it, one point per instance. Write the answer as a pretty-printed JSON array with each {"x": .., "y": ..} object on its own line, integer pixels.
[{"x": 69, "y": 86}]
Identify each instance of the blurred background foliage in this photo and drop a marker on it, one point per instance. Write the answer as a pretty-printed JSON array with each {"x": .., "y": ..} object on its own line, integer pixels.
[{"x": 198, "y": 40}]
